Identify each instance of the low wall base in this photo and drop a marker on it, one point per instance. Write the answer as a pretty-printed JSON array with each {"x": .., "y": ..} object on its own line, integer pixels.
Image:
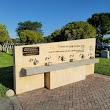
[
  {"x": 90, "y": 69},
  {"x": 29, "y": 83},
  {"x": 63, "y": 77}
]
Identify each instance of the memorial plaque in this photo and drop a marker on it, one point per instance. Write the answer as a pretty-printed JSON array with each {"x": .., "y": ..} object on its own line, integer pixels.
[{"x": 28, "y": 51}]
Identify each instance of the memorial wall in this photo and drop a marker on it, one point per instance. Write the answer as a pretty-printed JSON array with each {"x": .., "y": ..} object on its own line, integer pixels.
[{"x": 53, "y": 65}]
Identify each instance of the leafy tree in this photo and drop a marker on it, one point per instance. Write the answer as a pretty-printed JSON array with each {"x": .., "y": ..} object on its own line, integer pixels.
[
  {"x": 101, "y": 21},
  {"x": 28, "y": 25},
  {"x": 3, "y": 34},
  {"x": 40, "y": 37},
  {"x": 30, "y": 37},
  {"x": 48, "y": 39},
  {"x": 77, "y": 30},
  {"x": 9, "y": 41},
  {"x": 56, "y": 36},
  {"x": 72, "y": 31},
  {"x": 16, "y": 40}
]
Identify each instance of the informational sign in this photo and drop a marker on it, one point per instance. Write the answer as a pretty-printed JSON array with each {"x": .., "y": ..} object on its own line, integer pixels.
[
  {"x": 69, "y": 48},
  {"x": 28, "y": 51}
]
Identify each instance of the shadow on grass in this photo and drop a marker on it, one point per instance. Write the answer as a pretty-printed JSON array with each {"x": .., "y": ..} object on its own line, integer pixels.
[
  {"x": 6, "y": 76},
  {"x": 10, "y": 54}
]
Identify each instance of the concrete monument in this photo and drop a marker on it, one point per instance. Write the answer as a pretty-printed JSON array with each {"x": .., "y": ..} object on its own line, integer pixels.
[{"x": 53, "y": 65}]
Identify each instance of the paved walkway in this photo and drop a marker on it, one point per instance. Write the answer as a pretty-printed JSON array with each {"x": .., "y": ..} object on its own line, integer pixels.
[
  {"x": 5, "y": 104},
  {"x": 90, "y": 94}
]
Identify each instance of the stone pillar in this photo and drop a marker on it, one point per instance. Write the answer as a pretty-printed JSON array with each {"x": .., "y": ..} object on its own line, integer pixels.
[
  {"x": 0, "y": 47},
  {"x": 4, "y": 49},
  {"x": 7, "y": 50},
  {"x": 10, "y": 46}
]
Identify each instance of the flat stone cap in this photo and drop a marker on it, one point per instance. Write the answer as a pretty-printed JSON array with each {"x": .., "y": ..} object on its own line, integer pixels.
[{"x": 55, "y": 67}]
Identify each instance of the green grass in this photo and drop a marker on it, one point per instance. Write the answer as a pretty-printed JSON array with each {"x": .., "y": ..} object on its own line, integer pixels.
[
  {"x": 103, "y": 67},
  {"x": 6, "y": 72}
]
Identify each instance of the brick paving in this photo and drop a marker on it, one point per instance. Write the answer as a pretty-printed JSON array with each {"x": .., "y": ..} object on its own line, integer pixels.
[{"x": 90, "y": 94}]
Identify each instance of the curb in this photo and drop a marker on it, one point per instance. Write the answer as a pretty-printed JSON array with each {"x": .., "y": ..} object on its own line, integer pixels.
[{"x": 15, "y": 103}]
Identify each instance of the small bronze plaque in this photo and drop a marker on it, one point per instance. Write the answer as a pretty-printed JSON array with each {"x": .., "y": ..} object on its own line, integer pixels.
[{"x": 28, "y": 51}]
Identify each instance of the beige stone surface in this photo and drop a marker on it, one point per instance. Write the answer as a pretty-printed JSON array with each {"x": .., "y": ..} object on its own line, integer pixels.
[
  {"x": 59, "y": 78},
  {"x": 58, "y": 52},
  {"x": 90, "y": 69},
  {"x": 10, "y": 93},
  {"x": 55, "y": 67}
]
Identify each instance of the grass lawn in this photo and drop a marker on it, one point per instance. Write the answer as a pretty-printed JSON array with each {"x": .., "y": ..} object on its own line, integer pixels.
[
  {"x": 103, "y": 67},
  {"x": 6, "y": 72}
]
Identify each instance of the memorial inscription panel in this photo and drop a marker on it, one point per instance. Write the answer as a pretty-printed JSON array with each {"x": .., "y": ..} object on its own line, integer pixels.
[
  {"x": 69, "y": 48},
  {"x": 27, "y": 51}
]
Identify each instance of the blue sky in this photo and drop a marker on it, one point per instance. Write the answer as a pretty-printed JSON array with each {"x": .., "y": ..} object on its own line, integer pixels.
[{"x": 53, "y": 14}]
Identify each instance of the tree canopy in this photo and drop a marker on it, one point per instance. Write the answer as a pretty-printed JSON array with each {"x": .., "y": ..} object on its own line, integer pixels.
[
  {"x": 30, "y": 37},
  {"x": 16, "y": 40},
  {"x": 56, "y": 36},
  {"x": 101, "y": 21},
  {"x": 28, "y": 25},
  {"x": 48, "y": 39},
  {"x": 78, "y": 30},
  {"x": 3, "y": 34},
  {"x": 74, "y": 30},
  {"x": 9, "y": 41}
]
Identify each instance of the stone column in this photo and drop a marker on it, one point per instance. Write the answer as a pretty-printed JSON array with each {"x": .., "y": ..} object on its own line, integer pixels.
[
  {"x": 0, "y": 47},
  {"x": 7, "y": 50}
]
